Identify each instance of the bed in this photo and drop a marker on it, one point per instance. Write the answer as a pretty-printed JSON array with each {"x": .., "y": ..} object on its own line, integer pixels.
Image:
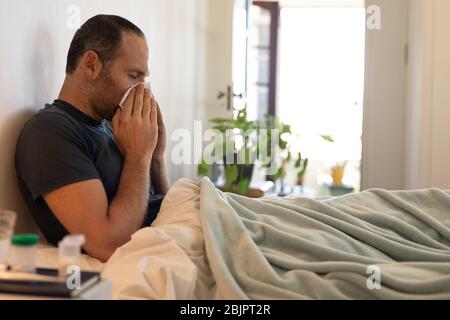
[{"x": 206, "y": 244}]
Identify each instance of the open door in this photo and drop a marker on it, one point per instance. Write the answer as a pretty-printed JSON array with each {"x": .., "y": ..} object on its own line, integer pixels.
[{"x": 227, "y": 46}]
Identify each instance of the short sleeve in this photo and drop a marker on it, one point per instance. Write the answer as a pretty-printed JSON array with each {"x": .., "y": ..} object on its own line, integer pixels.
[{"x": 52, "y": 153}]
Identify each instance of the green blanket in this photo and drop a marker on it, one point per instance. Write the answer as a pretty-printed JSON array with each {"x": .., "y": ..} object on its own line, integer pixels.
[{"x": 375, "y": 244}]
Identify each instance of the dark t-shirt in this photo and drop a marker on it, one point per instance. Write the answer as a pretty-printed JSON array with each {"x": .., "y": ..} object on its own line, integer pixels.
[{"x": 59, "y": 146}]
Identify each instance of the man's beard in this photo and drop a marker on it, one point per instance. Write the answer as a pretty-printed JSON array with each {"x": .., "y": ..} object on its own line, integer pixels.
[{"x": 104, "y": 96}]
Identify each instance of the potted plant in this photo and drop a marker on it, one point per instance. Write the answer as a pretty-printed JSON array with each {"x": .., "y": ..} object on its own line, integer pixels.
[
  {"x": 337, "y": 173},
  {"x": 237, "y": 174}
]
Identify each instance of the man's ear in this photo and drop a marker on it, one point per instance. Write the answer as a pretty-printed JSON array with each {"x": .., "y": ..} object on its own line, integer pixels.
[{"x": 91, "y": 65}]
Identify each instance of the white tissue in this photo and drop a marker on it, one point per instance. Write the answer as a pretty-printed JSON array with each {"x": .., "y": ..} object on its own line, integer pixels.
[{"x": 125, "y": 96}]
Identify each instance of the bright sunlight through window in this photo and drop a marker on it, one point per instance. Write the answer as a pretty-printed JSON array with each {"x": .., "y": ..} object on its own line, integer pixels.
[{"x": 321, "y": 86}]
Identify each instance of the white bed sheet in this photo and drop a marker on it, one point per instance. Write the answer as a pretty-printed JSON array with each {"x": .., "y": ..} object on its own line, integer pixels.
[{"x": 167, "y": 260}]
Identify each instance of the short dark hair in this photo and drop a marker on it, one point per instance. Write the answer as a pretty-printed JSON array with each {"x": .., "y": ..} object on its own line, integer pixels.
[{"x": 102, "y": 34}]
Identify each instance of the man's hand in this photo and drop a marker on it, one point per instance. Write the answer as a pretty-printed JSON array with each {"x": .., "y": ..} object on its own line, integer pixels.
[
  {"x": 158, "y": 168},
  {"x": 136, "y": 126},
  {"x": 158, "y": 155}
]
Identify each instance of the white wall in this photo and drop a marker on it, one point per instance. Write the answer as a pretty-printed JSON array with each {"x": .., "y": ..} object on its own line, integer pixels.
[
  {"x": 407, "y": 106},
  {"x": 35, "y": 40},
  {"x": 419, "y": 75},
  {"x": 440, "y": 113},
  {"x": 385, "y": 93},
  {"x": 428, "y": 111}
]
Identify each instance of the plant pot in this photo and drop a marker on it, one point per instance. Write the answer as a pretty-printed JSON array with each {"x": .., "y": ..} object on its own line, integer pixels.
[
  {"x": 244, "y": 172},
  {"x": 337, "y": 174}
]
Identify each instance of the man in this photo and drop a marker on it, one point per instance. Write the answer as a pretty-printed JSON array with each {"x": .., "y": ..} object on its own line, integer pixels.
[{"x": 86, "y": 166}]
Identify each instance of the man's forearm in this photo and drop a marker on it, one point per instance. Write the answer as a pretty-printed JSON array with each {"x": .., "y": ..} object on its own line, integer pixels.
[
  {"x": 159, "y": 176},
  {"x": 129, "y": 206}
]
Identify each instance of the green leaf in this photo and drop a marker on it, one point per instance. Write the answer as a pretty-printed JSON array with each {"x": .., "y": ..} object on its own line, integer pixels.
[
  {"x": 231, "y": 174},
  {"x": 328, "y": 138},
  {"x": 282, "y": 144},
  {"x": 285, "y": 128},
  {"x": 305, "y": 166},
  {"x": 298, "y": 162},
  {"x": 243, "y": 186},
  {"x": 203, "y": 168},
  {"x": 289, "y": 156},
  {"x": 279, "y": 174}
]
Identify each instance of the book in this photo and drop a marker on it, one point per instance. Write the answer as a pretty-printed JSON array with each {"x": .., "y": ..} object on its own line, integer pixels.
[{"x": 45, "y": 282}]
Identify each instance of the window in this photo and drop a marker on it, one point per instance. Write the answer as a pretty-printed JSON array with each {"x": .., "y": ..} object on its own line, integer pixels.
[{"x": 321, "y": 86}]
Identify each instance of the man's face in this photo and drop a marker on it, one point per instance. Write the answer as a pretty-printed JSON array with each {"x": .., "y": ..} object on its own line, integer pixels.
[{"x": 129, "y": 66}]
